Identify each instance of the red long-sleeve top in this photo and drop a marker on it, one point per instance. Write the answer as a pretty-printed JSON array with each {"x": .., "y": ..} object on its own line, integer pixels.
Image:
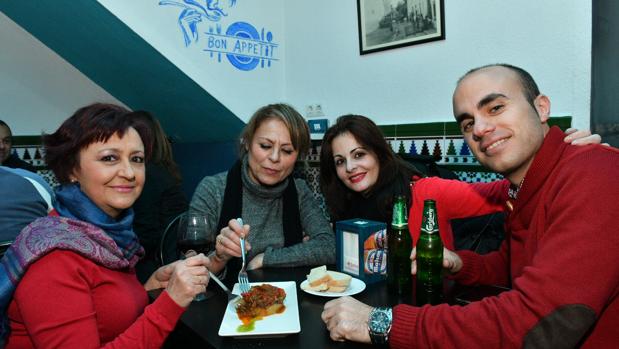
[
  {"x": 68, "y": 301},
  {"x": 560, "y": 256},
  {"x": 454, "y": 199}
]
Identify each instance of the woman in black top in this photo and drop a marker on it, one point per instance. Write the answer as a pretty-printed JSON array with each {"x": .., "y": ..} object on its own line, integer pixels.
[{"x": 161, "y": 200}]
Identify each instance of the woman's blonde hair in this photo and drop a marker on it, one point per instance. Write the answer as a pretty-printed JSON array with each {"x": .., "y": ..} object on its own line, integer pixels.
[{"x": 296, "y": 125}]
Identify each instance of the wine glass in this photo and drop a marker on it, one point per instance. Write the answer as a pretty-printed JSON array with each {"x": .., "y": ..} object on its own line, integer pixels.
[{"x": 192, "y": 235}]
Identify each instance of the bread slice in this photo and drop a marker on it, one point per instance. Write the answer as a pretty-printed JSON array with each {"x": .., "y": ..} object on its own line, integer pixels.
[
  {"x": 318, "y": 276},
  {"x": 337, "y": 289},
  {"x": 320, "y": 279},
  {"x": 339, "y": 280},
  {"x": 319, "y": 288}
]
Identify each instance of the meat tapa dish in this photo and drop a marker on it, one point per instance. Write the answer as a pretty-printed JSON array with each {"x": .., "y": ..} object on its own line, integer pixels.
[{"x": 259, "y": 302}]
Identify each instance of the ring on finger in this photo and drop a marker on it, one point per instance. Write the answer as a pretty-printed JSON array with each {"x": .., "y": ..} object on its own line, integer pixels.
[{"x": 219, "y": 239}]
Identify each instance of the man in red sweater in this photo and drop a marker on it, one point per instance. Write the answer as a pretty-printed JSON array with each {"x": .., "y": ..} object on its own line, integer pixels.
[{"x": 560, "y": 253}]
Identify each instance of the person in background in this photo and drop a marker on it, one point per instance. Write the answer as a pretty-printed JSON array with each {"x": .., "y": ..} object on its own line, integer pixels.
[
  {"x": 259, "y": 188},
  {"x": 560, "y": 258},
  {"x": 161, "y": 200},
  {"x": 25, "y": 197},
  {"x": 69, "y": 281},
  {"x": 7, "y": 157},
  {"x": 360, "y": 175}
]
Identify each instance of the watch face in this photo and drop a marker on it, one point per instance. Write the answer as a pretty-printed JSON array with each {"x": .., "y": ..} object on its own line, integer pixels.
[{"x": 379, "y": 322}]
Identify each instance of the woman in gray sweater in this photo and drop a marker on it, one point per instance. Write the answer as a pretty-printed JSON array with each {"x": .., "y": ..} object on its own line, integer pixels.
[{"x": 284, "y": 226}]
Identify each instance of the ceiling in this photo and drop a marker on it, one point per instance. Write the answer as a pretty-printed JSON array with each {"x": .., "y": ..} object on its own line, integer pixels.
[{"x": 106, "y": 50}]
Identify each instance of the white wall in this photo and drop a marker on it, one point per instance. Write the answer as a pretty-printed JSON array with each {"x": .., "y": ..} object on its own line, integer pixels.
[
  {"x": 320, "y": 61},
  {"x": 551, "y": 39},
  {"x": 39, "y": 89},
  {"x": 241, "y": 91}
]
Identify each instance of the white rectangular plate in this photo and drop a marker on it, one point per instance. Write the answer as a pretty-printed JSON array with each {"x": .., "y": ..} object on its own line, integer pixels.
[{"x": 270, "y": 326}]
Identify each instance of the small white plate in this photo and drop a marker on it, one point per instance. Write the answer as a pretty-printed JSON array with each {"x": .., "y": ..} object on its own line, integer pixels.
[
  {"x": 355, "y": 287},
  {"x": 276, "y": 325}
]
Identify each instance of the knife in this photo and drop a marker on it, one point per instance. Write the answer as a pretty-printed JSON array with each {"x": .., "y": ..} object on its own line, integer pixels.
[{"x": 231, "y": 296}]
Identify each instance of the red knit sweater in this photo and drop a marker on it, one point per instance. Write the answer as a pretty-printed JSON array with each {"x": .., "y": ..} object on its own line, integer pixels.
[
  {"x": 68, "y": 301},
  {"x": 454, "y": 199},
  {"x": 560, "y": 257}
]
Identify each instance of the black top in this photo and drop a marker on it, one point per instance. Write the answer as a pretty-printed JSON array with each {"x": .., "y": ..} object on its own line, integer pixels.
[
  {"x": 161, "y": 200},
  {"x": 232, "y": 207},
  {"x": 15, "y": 162}
]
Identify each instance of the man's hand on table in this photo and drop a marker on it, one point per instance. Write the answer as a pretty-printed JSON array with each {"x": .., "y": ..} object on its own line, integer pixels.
[{"x": 347, "y": 319}]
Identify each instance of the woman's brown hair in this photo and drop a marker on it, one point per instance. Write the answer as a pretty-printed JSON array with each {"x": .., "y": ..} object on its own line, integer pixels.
[{"x": 90, "y": 124}]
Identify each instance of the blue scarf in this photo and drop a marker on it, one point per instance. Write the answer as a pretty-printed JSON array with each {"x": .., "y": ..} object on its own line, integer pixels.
[
  {"x": 83, "y": 228},
  {"x": 73, "y": 203}
]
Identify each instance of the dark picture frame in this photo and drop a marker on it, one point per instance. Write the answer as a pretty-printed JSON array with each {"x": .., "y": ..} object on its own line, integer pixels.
[{"x": 389, "y": 24}]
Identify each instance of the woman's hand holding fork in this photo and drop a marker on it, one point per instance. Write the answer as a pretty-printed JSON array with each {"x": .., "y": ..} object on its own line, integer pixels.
[{"x": 227, "y": 244}]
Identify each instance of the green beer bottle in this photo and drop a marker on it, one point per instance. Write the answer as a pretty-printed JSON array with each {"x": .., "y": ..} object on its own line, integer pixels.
[
  {"x": 399, "y": 243},
  {"x": 429, "y": 283}
]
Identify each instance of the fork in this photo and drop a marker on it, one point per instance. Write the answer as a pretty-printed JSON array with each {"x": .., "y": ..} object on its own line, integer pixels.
[{"x": 243, "y": 280}]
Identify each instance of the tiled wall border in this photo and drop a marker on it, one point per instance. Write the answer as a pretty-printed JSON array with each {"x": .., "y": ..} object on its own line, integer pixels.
[{"x": 441, "y": 139}]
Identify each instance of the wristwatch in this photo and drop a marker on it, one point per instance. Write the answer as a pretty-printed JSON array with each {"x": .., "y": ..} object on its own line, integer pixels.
[{"x": 379, "y": 325}]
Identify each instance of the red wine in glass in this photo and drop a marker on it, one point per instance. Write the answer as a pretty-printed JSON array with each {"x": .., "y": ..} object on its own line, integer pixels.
[
  {"x": 200, "y": 246},
  {"x": 193, "y": 235}
]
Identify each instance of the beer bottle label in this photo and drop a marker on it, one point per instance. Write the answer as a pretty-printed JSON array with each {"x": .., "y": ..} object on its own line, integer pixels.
[
  {"x": 399, "y": 218},
  {"x": 430, "y": 226}
]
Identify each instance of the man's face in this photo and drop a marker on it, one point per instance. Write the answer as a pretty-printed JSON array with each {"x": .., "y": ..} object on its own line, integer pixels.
[
  {"x": 499, "y": 125},
  {"x": 5, "y": 143}
]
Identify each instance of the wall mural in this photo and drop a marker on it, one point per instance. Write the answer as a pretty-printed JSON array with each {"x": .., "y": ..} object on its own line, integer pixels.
[{"x": 242, "y": 44}]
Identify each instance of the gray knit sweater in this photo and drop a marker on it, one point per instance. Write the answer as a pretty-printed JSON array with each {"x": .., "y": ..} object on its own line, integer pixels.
[{"x": 262, "y": 210}]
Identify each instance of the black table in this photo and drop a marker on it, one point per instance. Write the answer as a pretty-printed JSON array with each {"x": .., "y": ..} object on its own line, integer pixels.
[{"x": 202, "y": 319}]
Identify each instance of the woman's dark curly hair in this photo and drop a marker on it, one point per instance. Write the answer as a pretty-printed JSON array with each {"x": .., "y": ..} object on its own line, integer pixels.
[
  {"x": 393, "y": 170},
  {"x": 90, "y": 124}
]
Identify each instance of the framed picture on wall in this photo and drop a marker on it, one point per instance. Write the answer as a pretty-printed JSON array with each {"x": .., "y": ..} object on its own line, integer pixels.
[{"x": 388, "y": 24}]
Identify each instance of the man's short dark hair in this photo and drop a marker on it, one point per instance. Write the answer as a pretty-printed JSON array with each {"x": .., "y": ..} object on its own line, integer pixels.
[
  {"x": 2, "y": 123},
  {"x": 529, "y": 87}
]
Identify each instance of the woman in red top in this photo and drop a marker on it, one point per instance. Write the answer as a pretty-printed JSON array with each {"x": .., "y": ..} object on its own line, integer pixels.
[{"x": 69, "y": 281}]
